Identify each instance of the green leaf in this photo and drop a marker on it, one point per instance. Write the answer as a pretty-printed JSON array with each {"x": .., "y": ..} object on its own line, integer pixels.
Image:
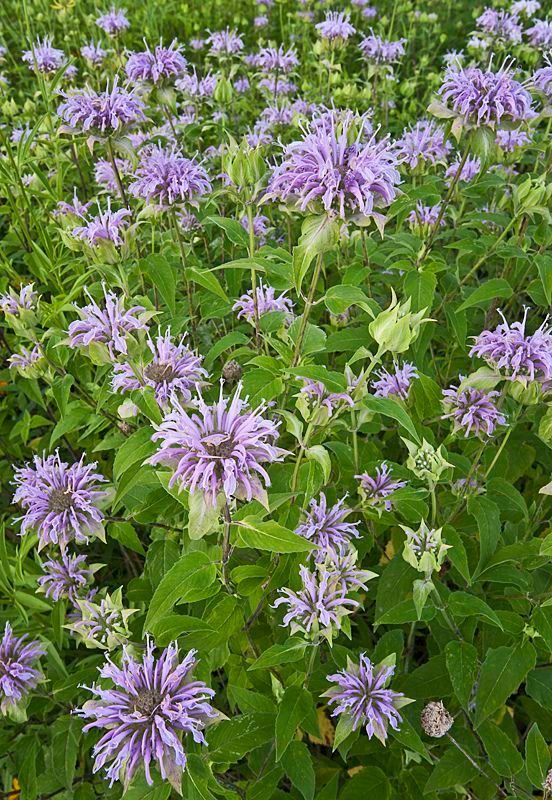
[
  {"x": 420, "y": 288},
  {"x": 390, "y": 408},
  {"x": 163, "y": 278},
  {"x": 503, "y": 754},
  {"x": 333, "y": 381},
  {"x": 292, "y": 650},
  {"x": 296, "y": 704},
  {"x": 489, "y": 290},
  {"x": 140, "y": 790},
  {"x": 537, "y": 756},
  {"x": 27, "y": 774},
  {"x": 124, "y": 533},
  {"x": 461, "y": 660},
  {"x": 133, "y": 452},
  {"x": 203, "y": 515},
  {"x": 487, "y": 517},
  {"x": 452, "y": 769},
  {"x": 409, "y": 738},
  {"x": 232, "y": 229},
  {"x": 464, "y": 605},
  {"x": 187, "y": 581},
  {"x": 297, "y": 764},
  {"x": 232, "y": 739},
  {"x": 65, "y": 747},
  {"x": 270, "y": 537},
  {"x": 542, "y": 620},
  {"x": 208, "y": 280},
  {"x": 339, "y": 299},
  {"x": 501, "y": 674},
  {"x": 539, "y": 686},
  {"x": 370, "y": 782}
]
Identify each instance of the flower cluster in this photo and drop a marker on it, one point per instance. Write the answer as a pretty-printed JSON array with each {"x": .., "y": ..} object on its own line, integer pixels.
[
  {"x": 155, "y": 66},
  {"x": 18, "y": 672},
  {"x": 106, "y": 113},
  {"x": 167, "y": 176},
  {"x": 267, "y": 302}
]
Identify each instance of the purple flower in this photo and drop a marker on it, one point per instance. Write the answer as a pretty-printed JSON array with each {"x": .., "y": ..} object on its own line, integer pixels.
[
  {"x": 43, "y": 57},
  {"x": 104, "y": 174},
  {"x": 331, "y": 168},
  {"x": 362, "y": 696},
  {"x": 151, "y": 704},
  {"x": 326, "y": 526},
  {"x": 542, "y": 79},
  {"x": 472, "y": 409},
  {"x": 109, "y": 325},
  {"x": 500, "y": 25},
  {"x": 156, "y": 66},
  {"x": 17, "y": 303},
  {"x": 261, "y": 224},
  {"x": 221, "y": 449},
  {"x": 527, "y": 7},
  {"x": 114, "y": 22},
  {"x": 106, "y": 226},
  {"x": 485, "y": 97},
  {"x": 106, "y": 112},
  {"x": 76, "y": 208},
  {"x": 18, "y": 673},
  {"x": 225, "y": 42},
  {"x": 60, "y": 500},
  {"x": 94, "y": 54},
  {"x": 167, "y": 177},
  {"x": 280, "y": 60},
  {"x": 173, "y": 370},
  {"x": 395, "y": 384},
  {"x": 376, "y": 491},
  {"x": 194, "y": 86},
  {"x": 318, "y": 397},
  {"x": 197, "y": 44},
  {"x": 509, "y": 140},
  {"x": 319, "y": 606},
  {"x": 521, "y": 355},
  {"x": 260, "y": 22},
  {"x": 470, "y": 169},
  {"x": 380, "y": 51},
  {"x": 540, "y": 34},
  {"x": 422, "y": 142},
  {"x": 336, "y": 27},
  {"x": 65, "y": 577},
  {"x": 26, "y": 360},
  {"x": 278, "y": 86},
  {"x": 422, "y": 216},
  {"x": 343, "y": 566},
  {"x": 267, "y": 302},
  {"x": 241, "y": 85},
  {"x": 102, "y": 624}
]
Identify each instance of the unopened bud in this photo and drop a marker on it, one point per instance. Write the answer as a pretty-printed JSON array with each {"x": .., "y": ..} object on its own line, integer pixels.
[{"x": 436, "y": 720}]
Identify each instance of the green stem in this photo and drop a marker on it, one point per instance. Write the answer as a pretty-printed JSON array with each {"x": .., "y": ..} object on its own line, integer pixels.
[
  {"x": 307, "y": 311},
  {"x": 254, "y": 278}
]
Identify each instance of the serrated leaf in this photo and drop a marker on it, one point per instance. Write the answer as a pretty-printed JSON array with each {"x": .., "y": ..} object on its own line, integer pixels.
[
  {"x": 461, "y": 660},
  {"x": 296, "y": 704},
  {"x": 501, "y": 674},
  {"x": 270, "y": 537}
]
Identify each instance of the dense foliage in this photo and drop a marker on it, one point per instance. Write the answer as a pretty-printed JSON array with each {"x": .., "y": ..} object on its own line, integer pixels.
[{"x": 275, "y": 415}]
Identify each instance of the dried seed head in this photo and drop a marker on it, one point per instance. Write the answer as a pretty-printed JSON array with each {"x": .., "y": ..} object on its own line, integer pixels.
[
  {"x": 436, "y": 720},
  {"x": 547, "y": 785},
  {"x": 231, "y": 372}
]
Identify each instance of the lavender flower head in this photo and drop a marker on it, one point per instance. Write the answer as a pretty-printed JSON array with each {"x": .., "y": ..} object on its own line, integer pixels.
[
  {"x": 315, "y": 397},
  {"x": 500, "y": 25},
  {"x": 74, "y": 208},
  {"x": 106, "y": 113},
  {"x": 395, "y": 384},
  {"x": 470, "y": 169},
  {"x": 94, "y": 54},
  {"x": 542, "y": 79},
  {"x": 267, "y": 302},
  {"x": 509, "y": 140},
  {"x": 540, "y": 34},
  {"x": 279, "y": 60},
  {"x": 331, "y": 168},
  {"x": 43, "y": 57},
  {"x": 173, "y": 370},
  {"x": 194, "y": 86},
  {"x": 363, "y": 698},
  {"x": 344, "y": 567},
  {"x": 522, "y": 356},
  {"x": 225, "y": 42},
  {"x": 60, "y": 500},
  {"x": 109, "y": 325},
  {"x": 261, "y": 21},
  {"x": 326, "y": 526},
  {"x": 104, "y": 174},
  {"x": 18, "y": 673},
  {"x": 166, "y": 177},
  {"x": 152, "y": 703},
  {"x": 65, "y": 577},
  {"x": 27, "y": 361},
  {"x": 114, "y": 22},
  {"x": 472, "y": 410},
  {"x": 106, "y": 226},
  {"x": 482, "y": 97},
  {"x": 336, "y": 27},
  {"x": 156, "y": 66},
  {"x": 424, "y": 216},
  {"x": 380, "y": 51},
  {"x": 423, "y": 142},
  {"x": 17, "y": 303},
  {"x": 220, "y": 449},
  {"x": 261, "y": 224},
  {"x": 319, "y": 607},
  {"x": 527, "y": 7},
  {"x": 376, "y": 491}
]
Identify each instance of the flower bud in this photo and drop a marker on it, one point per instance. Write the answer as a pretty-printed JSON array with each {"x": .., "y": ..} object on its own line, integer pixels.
[
  {"x": 436, "y": 720},
  {"x": 231, "y": 371},
  {"x": 396, "y": 328},
  {"x": 425, "y": 461}
]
